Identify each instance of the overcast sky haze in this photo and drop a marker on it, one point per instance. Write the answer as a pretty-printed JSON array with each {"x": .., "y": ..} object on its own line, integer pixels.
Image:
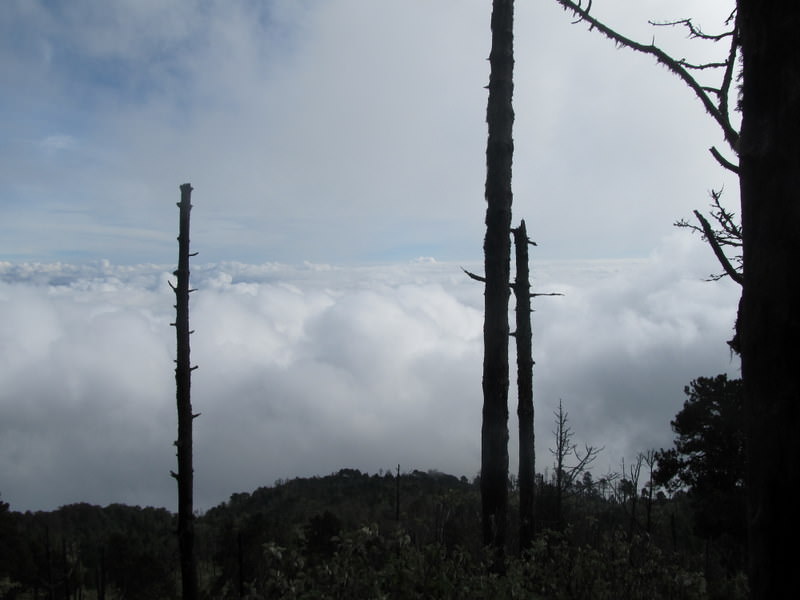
[{"x": 337, "y": 151}]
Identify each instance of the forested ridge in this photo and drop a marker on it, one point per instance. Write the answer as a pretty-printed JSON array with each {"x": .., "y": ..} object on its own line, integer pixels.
[{"x": 396, "y": 535}]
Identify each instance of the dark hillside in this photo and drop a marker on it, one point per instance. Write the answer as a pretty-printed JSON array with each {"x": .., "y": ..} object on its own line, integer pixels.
[{"x": 339, "y": 536}]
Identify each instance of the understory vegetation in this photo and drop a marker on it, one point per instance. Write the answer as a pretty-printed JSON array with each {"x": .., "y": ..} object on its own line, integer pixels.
[{"x": 346, "y": 536}]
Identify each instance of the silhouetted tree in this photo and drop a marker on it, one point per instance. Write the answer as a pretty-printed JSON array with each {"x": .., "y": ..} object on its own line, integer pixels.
[
  {"x": 525, "y": 411},
  {"x": 630, "y": 481},
  {"x": 769, "y": 326},
  {"x": 764, "y": 34},
  {"x": 651, "y": 460},
  {"x": 397, "y": 495},
  {"x": 708, "y": 458},
  {"x": 183, "y": 375},
  {"x": 100, "y": 575},
  {"x": 497, "y": 257},
  {"x": 566, "y": 474}
]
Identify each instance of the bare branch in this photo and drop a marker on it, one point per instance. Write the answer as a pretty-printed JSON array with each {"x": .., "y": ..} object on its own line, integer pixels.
[
  {"x": 728, "y": 234},
  {"x": 687, "y": 225},
  {"x": 589, "y": 454},
  {"x": 731, "y": 17},
  {"x": 711, "y": 237},
  {"x": 731, "y": 234},
  {"x": 723, "y": 161},
  {"x": 717, "y": 112},
  {"x": 473, "y": 276},
  {"x": 727, "y": 78},
  {"x": 715, "y": 65},
  {"x": 694, "y": 31}
]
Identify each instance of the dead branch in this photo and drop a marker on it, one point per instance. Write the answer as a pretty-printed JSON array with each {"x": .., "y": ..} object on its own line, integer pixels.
[
  {"x": 473, "y": 276},
  {"x": 718, "y": 111},
  {"x": 729, "y": 234},
  {"x": 710, "y": 236},
  {"x": 702, "y": 67},
  {"x": 724, "y": 162},
  {"x": 694, "y": 31}
]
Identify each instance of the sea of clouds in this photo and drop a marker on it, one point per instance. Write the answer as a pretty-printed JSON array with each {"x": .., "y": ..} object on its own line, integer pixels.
[{"x": 306, "y": 369}]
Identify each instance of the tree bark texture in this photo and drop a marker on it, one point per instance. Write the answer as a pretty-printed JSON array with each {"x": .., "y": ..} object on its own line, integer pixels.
[
  {"x": 497, "y": 256},
  {"x": 524, "y": 339},
  {"x": 183, "y": 375},
  {"x": 769, "y": 320}
]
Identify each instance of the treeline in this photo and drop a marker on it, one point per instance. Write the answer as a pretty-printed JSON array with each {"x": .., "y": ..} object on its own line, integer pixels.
[
  {"x": 85, "y": 551},
  {"x": 339, "y": 536}
]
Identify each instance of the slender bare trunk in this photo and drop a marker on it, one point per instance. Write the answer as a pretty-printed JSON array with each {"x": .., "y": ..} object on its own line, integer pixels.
[
  {"x": 497, "y": 256},
  {"x": 183, "y": 376},
  {"x": 524, "y": 339}
]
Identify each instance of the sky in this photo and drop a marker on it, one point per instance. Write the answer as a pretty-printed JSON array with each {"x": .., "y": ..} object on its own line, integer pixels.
[{"x": 337, "y": 154}]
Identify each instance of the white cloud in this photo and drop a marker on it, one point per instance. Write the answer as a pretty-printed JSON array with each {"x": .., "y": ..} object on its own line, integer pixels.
[
  {"x": 338, "y": 131},
  {"x": 305, "y": 370},
  {"x": 621, "y": 351}
]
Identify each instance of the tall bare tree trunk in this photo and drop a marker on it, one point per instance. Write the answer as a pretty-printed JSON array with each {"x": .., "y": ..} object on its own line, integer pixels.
[
  {"x": 769, "y": 327},
  {"x": 183, "y": 376},
  {"x": 524, "y": 338},
  {"x": 497, "y": 257}
]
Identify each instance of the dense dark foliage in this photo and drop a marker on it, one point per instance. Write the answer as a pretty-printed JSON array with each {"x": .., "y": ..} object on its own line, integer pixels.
[
  {"x": 338, "y": 537},
  {"x": 85, "y": 551},
  {"x": 709, "y": 461}
]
